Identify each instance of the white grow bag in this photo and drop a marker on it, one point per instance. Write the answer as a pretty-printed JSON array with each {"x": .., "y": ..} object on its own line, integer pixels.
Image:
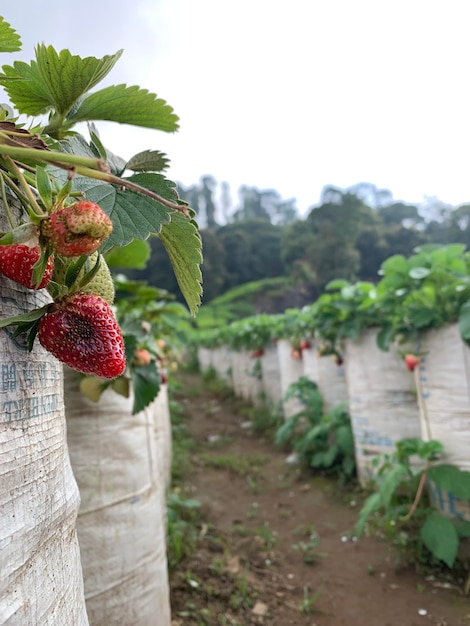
[
  {"x": 311, "y": 364},
  {"x": 331, "y": 382},
  {"x": 204, "y": 357},
  {"x": 120, "y": 523},
  {"x": 222, "y": 362},
  {"x": 290, "y": 371},
  {"x": 40, "y": 573},
  {"x": 443, "y": 381},
  {"x": 382, "y": 400},
  {"x": 271, "y": 377}
]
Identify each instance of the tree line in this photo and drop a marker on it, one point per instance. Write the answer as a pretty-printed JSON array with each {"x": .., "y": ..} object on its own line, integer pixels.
[{"x": 346, "y": 235}]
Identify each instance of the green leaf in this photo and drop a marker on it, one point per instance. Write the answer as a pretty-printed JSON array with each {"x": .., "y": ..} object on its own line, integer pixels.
[
  {"x": 390, "y": 482},
  {"x": 32, "y": 316},
  {"x": 464, "y": 322},
  {"x": 371, "y": 505},
  {"x": 9, "y": 39},
  {"x": 53, "y": 81},
  {"x": 126, "y": 105},
  {"x": 135, "y": 255},
  {"x": 440, "y": 537},
  {"x": 183, "y": 245},
  {"x": 418, "y": 273},
  {"x": 69, "y": 77},
  {"x": 92, "y": 387},
  {"x": 25, "y": 88},
  {"x": 44, "y": 187},
  {"x": 146, "y": 385},
  {"x": 285, "y": 431},
  {"x": 148, "y": 161},
  {"x": 462, "y": 527},
  {"x": 452, "y": 479}
]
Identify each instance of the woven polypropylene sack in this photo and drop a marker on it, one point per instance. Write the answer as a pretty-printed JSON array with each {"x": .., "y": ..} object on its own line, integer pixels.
[
  {"x": 271, "y": 377},
  {"x": 222, "y": 362},
  {"x": 443, "y": 381},
  {"x": 382, "y": 400},
  {"x": 290, "y": 371},
  {"x": 40, "y": 573},
  {"x": 311, "y": 362},
  {"x": 331, "y": 382},
  {"x": 204, "y": 357},
  {"x": 120, "y": 523}
]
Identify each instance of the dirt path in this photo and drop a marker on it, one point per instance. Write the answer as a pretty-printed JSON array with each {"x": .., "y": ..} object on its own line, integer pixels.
[{"x": 277, "y": 548}]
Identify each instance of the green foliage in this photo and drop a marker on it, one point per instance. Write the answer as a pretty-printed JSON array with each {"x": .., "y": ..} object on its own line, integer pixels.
[
  {"x": 9, "y": 39},
  {"x": 324, "y": 441},
  {"x": 60, "y": 85},
  {"x": 183, "y": 515},
  {"x": 61, "y": 82},
  {"x": 400, "y": 503}
]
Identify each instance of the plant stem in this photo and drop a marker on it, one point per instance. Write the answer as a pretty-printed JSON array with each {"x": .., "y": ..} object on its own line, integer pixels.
[
  {"x": 419, "y": 492},
  {"x": 122, "y": 182},
  {"x": 36, "y": 210},
  {"x": 5, "y": 203}
]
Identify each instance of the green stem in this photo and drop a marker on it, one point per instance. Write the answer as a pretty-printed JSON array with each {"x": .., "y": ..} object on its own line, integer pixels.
[
  {"x": 16, "y": 190},
  {"x": 60, "y": 159},
  {"x": 121, "y": 182},
  {"x": 35, "y": 212},
  {"x": 419, "y": 492},
  {"x": 5, "y": 203}
]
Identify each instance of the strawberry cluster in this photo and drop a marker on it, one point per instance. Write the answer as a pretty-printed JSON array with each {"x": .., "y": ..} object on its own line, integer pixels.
[{"x": 79, "y": 328}]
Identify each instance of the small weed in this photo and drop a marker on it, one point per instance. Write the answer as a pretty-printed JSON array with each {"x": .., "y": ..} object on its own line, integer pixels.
[
  {"x": 247, "y": 465},
  {"x": 253, "y": 511},
  {"x": 182, "y": 528},
  {"x": 370, "y": 570},
  {"x": 243, "y": 596},
  {"x": 267, "y": 535},
  {"x": 307, "y": 604},
  {"x": 217, "y": 566}
]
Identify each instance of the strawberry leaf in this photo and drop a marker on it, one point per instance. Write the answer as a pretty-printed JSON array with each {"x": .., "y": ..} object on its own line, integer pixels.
[
  {"x": 148, "y": 161},
  {"x": 9, "y": 39},
  {"x": 146, "y": 385},
  {"x": 134, "y": 255},
  {"x": 183, "y": 245},
  {"x": 54, "y": 81},
  {"x": 126, "y": 105},
  {"x": 26, "y": 318}
]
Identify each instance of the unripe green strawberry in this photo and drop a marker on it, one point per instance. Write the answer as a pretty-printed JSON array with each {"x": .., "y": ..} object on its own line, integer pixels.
[
  {"x": 77, "y": 229},
  {"x": 81, "y": 331},
  {"x": 101, "y": 283},
  {"x": 17, "y": 262}
]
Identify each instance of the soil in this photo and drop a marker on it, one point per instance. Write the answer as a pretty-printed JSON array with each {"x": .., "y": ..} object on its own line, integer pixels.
[{"x": 276, "y": 543}]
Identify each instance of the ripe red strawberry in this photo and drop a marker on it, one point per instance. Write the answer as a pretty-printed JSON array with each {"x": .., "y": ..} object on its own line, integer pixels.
[
  {"x": 82, "y": 332},
  {"x": 77, "y": 229},
  {"x": 17, "y": 261},
  {"x": 305, "y": 345},
  {"x": 411, "y": 361},
  {"x": 257, "y": 353}
]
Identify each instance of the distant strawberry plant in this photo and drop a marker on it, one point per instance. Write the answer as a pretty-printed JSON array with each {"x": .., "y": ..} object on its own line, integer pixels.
[{"x": 80, "y": 200}]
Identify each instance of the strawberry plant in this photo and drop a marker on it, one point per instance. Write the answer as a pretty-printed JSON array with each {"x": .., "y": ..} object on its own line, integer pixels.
[
  {"x": 400, "y": 504},
  {"x": 324, "y": 441},
  {"x": 430, "y": 289},
  {"x": 81, "y": 200}
]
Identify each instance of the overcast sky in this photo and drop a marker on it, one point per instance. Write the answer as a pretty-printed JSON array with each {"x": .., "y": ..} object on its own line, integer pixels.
[{"x": 285, "y": 95}]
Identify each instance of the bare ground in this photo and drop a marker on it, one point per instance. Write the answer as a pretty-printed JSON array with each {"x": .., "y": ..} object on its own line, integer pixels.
[{"x": 276, "y": 544}]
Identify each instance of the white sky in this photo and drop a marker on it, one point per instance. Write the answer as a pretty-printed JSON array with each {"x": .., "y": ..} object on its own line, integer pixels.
[{"x": 285, "y": 95}]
